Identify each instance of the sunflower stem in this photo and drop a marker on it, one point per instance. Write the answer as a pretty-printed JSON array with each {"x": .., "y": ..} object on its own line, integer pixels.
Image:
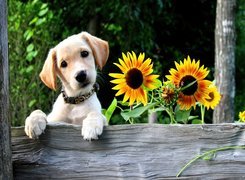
[
  {"x": 152, "y": 96},
  {"x": 212, "y": 151},
  {"x": 202, "y": 113},
  {"x": 171, "y": 114},
  {"x": 131, "y": 120}
]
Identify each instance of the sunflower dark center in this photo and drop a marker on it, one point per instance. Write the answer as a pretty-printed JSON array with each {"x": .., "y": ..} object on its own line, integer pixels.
[
  {"x": 187, "y": 80},
  {"x": 134, "y": 78},
  {"x": 211, "y": 95}
]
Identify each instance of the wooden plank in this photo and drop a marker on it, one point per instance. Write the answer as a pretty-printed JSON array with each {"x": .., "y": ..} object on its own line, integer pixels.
[
  {"x": 129, "y": 152},
  {"x": 5, "y": 143}
]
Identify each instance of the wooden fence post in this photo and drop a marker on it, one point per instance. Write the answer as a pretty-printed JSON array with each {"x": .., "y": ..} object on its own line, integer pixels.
[
  {"x": 225, "y": 41},
  {"x": 6, "y": 171}
]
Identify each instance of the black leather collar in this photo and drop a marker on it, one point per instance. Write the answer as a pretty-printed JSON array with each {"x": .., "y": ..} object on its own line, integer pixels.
[{"x": 80, "y": 98}]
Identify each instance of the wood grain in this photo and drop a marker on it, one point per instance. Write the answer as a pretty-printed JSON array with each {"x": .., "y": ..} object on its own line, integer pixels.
[
  {"x": 129, "y": 152},
  {"x": 5, "y": 143},
  {"x": 225, "y": 45}
]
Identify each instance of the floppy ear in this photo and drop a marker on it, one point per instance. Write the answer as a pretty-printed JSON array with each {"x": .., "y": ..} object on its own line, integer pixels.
[
  {"x": 99, "y": 47},
  {"x": 48, "y": 73}
]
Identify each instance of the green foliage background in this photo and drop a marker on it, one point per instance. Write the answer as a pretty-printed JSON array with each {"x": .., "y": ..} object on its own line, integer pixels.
[{"x": 165, "y": 30}]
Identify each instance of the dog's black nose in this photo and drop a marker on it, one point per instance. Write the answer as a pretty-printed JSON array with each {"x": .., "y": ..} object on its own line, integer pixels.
[{"x": 81, "y": 76}]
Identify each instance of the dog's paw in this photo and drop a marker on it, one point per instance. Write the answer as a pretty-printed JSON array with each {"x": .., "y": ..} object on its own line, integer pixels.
[
  {"x": 35, "y": 124},
  {"x": 92, "y": 128}
]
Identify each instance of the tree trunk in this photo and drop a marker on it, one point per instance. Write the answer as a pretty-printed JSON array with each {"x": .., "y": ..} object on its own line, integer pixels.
[
  {"x": 92, "y": 26},
  {"x": 225, "y": 60},
  {"x": 5, "y": 150}
]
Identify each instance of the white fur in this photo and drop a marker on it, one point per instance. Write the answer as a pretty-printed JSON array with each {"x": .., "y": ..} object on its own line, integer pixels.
[{"x": 88, "y": 113}]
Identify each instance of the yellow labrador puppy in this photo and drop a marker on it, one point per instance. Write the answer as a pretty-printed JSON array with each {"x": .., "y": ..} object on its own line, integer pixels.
[{"x": 74, "y": 62}]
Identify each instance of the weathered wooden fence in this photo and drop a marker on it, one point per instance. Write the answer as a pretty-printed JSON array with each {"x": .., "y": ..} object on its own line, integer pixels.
[
  {"x": 5, "y": 150},
  {"x": 130, "y": 152},
  {"x": 122, "y": 152}
]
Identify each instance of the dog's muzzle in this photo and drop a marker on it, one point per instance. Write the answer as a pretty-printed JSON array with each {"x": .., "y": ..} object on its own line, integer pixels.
[{"x": 82, "y": 78}]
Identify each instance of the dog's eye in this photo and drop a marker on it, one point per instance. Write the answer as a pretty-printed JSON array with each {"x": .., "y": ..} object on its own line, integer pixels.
[
  {"x": 84, "y": 54},
  {"x": 63, "y": 64}
]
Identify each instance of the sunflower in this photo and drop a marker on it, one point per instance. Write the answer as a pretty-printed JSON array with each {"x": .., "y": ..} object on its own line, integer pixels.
[
  {"x": 188, "y": 73},
  {"x": 135, "y": 79},
  {"x": 242, "y": 116},
  {"x": 169, "y": 93},
  {"x": 214, "y": 97}
]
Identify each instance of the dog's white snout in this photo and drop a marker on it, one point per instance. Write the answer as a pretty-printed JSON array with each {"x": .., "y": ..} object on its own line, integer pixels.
[{"x": 81, "y": 76}]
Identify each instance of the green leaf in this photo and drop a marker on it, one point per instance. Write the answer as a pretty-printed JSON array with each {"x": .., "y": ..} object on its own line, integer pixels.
[
  {"x": 127, "y": 114},
  {"x": 182, "y": 115},
  {"x": 192, "y": 117},
  {"x": 43, "y": 12},
  {"x": 111, "y": 109},
  {"x": 33, "y": 85},
  {"x": 28, "y": 34},
  {"x": 159, "y": 109},
  {"x": 114, "y": 27},
  {"x": 44, "y": 5},
  {"x": 123, "y": 104},
  {"x": 41, "y": 21},
  {"x": 31, "y": 55},
  {"x": 32, "y": 102},
  {"x": 196, "y": 121},
  {"x": 34, "y": 20},
  {"x": 30, "y": 47},
  {"x": 34, "y": 2},
  {"x": 29, "y": 68},
  {"x": 103, "y": 111}
]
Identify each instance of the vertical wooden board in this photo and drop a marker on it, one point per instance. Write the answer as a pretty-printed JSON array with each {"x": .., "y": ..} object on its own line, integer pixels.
[
  {"x": 225, "y": 43},
  {"x": 5, "y": 150}
]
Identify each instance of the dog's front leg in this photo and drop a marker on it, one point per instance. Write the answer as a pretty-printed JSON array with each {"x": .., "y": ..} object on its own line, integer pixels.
[
  {"x": 93, "y": 125},
  {"x": 35, "y": 124}
]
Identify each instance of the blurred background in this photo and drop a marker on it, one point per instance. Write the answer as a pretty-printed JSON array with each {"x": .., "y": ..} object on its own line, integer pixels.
[{"x": 166, "y": 30}]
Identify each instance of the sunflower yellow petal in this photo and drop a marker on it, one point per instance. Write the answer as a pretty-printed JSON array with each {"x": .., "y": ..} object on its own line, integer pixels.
[
  {"x": 132, "y": 97},
  {"x": 118, "y": 81},
  {"x": 126, "y": 96},
  {"x": 150, "y": 85},
  {"x": 121, "y": 91},
  {"x": 127, "y": 61},
  {"x": 123, "y": 64},
  {"x": 133, "y": 58},
  {"x": 117, "y": 75},
  {"x": 119, "y": 86},
  {"x": 120, "y": 67},
  {"x": 152, "y": 77},
  {"x": 143, "y": 96},
  {"x": 140, "y": 59},
  {"x": 145, "y": 63},
  {"x": 177, "y": 65}
]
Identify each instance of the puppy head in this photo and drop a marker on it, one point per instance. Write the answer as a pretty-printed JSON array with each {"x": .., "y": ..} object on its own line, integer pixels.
[{"x": 74, "y": 61}]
